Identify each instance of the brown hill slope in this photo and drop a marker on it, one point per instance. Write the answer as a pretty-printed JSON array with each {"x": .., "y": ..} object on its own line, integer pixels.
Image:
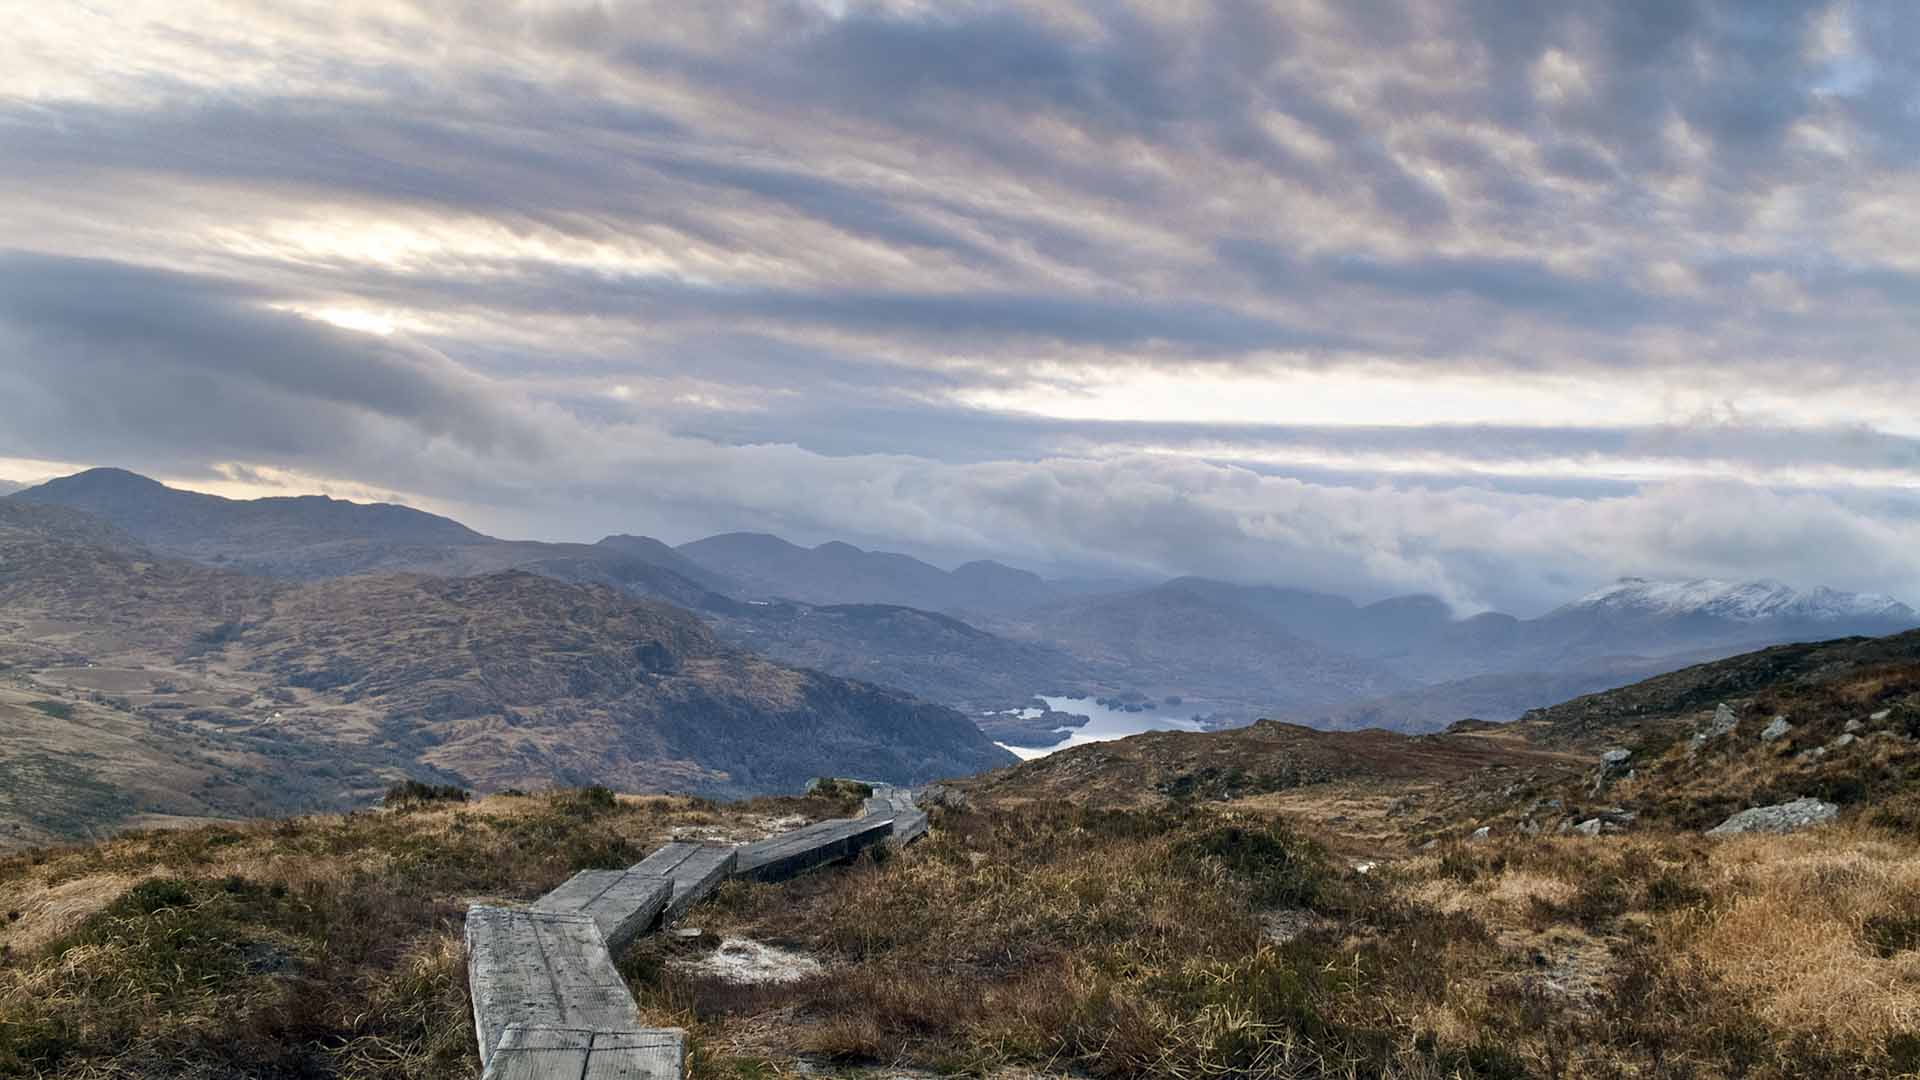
[
  {"x": 1835, "y": 721},
  {"x": 142, "y": 686},
  {"x": 513, "y": 679}
]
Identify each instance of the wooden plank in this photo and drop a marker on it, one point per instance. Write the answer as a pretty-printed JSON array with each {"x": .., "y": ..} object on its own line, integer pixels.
[
  {"x": 888, "y": 799},
  {"x": 650, "y": 1054},
  {"x": 909, "y": 827},
  {"x": 541, "y": 969},
  {"x": 909, "y": 824},
  {"x": 790, "y": 854},
  {"x": 528, "y": 1053},
  {"x": 538, "y": 1053},
  {"x": 696, "y": 869},
  {"x": 623, "y": 903}
]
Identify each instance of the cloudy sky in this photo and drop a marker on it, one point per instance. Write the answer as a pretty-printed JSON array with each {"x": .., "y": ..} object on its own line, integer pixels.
[{"x": 1493, "y": 298}]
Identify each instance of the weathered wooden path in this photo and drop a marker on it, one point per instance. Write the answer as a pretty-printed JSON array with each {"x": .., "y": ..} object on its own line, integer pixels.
[{"x": 548, "y": 1002}]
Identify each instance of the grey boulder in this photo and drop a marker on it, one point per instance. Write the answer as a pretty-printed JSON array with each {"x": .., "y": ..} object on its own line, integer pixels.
[{"x": 1781, "y": 818}]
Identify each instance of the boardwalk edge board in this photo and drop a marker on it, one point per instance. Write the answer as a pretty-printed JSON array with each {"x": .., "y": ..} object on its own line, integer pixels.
[
  {"x": 538, "y": 1053},
  {"x": 791, "y": 854},
  {"x": 548, "y": 1002}
]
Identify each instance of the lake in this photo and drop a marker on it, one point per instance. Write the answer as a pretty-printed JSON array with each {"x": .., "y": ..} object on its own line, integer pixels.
[{"x": 1106, "y": 724}]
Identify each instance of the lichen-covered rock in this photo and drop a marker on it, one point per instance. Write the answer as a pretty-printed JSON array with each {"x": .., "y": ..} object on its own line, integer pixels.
[
  {"x": 1777, "y": 730},
  {"x": 1613, "y": 764},
  {"x": 1781, "y": 818},
  {"x": 1723, "y": 721},
  {"x": 1589, "y": 827}
]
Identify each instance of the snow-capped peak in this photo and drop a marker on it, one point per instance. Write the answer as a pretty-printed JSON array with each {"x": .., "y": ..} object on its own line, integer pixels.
[{"x": 1744, "y": 601}]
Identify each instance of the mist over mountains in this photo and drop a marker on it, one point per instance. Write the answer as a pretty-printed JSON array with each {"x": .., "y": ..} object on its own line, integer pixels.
[{"x": 986, "y": 637}]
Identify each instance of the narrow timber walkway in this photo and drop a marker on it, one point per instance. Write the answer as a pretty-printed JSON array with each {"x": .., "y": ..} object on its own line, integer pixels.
[{"x": 548, "y": 1002}]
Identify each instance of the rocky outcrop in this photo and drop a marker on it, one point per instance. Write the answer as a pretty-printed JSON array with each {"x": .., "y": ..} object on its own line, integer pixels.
[
  {"x": 1613, "y": 766},
  {"x": 1724, "y": 720},
  {"x": 1781, "y": 818}
]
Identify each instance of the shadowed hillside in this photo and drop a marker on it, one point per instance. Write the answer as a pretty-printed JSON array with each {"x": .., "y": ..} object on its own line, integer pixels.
[{"x": 134, "y": 687}]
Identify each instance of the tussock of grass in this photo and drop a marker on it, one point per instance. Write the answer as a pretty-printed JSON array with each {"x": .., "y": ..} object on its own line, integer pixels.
[
  {"x": 308, "y": 947},
  {"x": 1129, "y": 945}
]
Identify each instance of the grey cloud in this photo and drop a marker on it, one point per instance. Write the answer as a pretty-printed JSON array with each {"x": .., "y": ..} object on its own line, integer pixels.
[
  {"x": 1112, "y": 319},
  {"x": 1511, "y": 283},
  {"x": 130, "y": 356}
]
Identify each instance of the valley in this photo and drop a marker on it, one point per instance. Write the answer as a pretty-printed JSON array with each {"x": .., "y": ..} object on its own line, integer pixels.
[
  {"x": 141, "y": 689},
  {"x": 171, "y": 656}
]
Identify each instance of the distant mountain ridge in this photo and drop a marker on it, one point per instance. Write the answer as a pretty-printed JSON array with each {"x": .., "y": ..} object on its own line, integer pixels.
[
  {"x": 191, "y": 520},
  {"x": 1234, "y": 651},
  {"x": 1746, "y": 601},
  {"x": 768, "y": 567},
  {"x": 1408, "y": 663}
]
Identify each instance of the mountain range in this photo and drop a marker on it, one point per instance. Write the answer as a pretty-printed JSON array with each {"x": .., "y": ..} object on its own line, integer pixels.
[
  {"x": 987, "y": 637},
  {"x": 138, "y": 688}
]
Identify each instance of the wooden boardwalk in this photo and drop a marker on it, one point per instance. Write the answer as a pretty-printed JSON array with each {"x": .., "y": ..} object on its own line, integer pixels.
[
  {"x": 623, "y": 904},
  {"x": 548, "y": 1002},
  {"x": 908, "y": 822},
  {"x": 535, "y": 969},
  {"x": 794, "y": 853},
  {"x": 694, "y": 869}
]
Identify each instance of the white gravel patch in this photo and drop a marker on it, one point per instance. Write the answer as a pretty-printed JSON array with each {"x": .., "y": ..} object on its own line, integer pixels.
[{"x": 747, "y": 963}]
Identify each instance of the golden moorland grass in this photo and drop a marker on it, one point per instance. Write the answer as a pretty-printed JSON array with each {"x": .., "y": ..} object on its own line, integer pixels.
[
  {"x": 323, "y": 946},
  {"x": 1181, "y": 941}
]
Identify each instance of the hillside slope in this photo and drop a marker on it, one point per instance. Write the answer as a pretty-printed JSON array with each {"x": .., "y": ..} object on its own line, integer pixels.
[
  {"x": 151, "y": 686},
  {"x": 1183, "y": 638},
  {"x": 1271, "y": 903},
  {"x": 512, "y": 679},
  {"x": 932, "y": 656}
]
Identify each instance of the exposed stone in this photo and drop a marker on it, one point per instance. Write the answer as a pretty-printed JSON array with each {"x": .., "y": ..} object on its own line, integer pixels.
[
  {"x": 1403, "y": 804},
  {"x": 946, "y": 798},
  {"x": 1847, "y": 739},
  {"x": 1280, "y": 927},
  {"x": 1854, "y": 727},
  {"x": 1612, "y": 764},
  {"x": 1482, "y": 833},
  {"x": 1589, "y": 827},
  {"x": 1723, "y": 721},
  {"x": 1881, "y": 715},
  {"x": 1781, "y": 818},
  {"x": 1777, "y": 730}
]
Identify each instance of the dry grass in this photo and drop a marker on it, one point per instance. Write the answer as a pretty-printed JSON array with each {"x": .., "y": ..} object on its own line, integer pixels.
[
  {"x": 1130, "y": 945},
  {"x": 1821, "y": 932},
  {"x": 1032, "y": 939},
  {"x": 325, "y": 946}
]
